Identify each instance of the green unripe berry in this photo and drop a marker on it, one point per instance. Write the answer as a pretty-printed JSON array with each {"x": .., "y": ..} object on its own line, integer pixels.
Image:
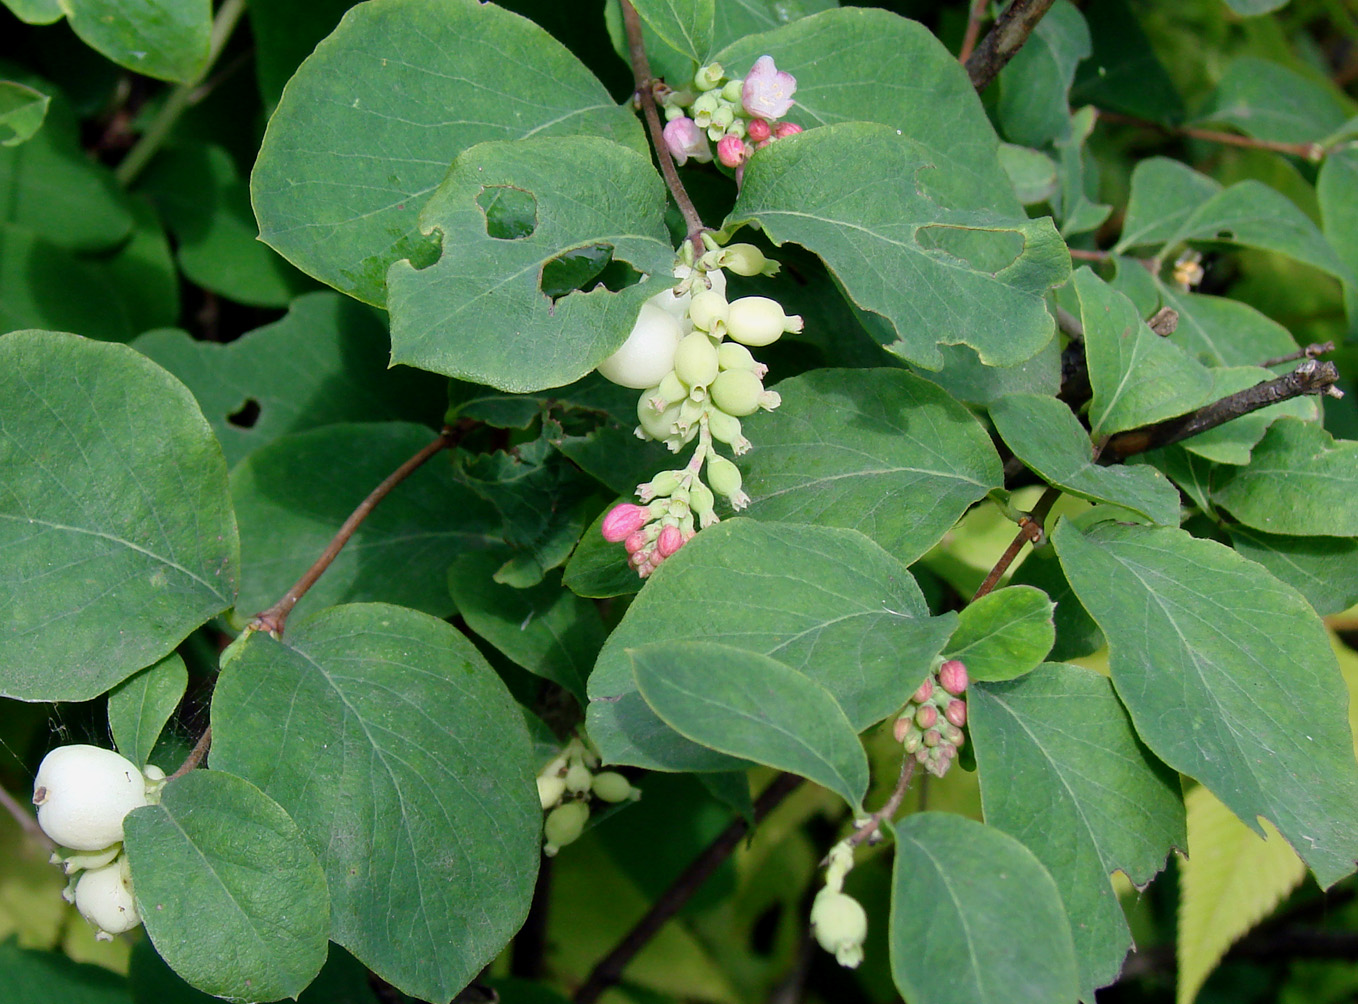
[
  {"x": 701, "y": 498},
  {"x": 578, "y": 777},
  {"x": 724, "y": 476},
  {"x": 724, "y": 427},
  {"x": 840, "y": 925},
  {"x": 695, "y": 361},
  {"x": 709, "y": 76},
  {"x": 708, "y": 310},
  {"x": 746, "y": 259},
  {"x": 656, "y": 424},
  {"x": 671, "y": 389},
  {"x": 563, "y": 826},
  {"x": 550, "y": 790},
  {"x": 610, "y": 786},
  {"x": 734, "y": 356},
  {"x": 736, "y": 392},
  {"x": 757, "y": 320}
]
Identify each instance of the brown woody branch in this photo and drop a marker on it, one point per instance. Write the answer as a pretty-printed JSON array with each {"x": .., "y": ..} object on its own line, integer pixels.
[
  {"x": 1012, "y": 28},
  {"x": 1307, "y": 151}
]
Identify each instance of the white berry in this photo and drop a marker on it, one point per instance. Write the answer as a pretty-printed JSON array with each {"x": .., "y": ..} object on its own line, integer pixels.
[
  {"x": 83, "y": 793},
  {"x": 104, "y": 898},
  {"x": 648, "y": 354}
]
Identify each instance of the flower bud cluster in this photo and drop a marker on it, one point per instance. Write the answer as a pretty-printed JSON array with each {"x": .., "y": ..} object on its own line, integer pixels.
[
  {"x": 566, "y": 787},
  {"x": 83, "y": 794},
  {"x": 690, "y": 352},
  {"x": 739, "y": 116},
  {"x": 837, "y": 919},
  {"x": 930, "y": 726}
]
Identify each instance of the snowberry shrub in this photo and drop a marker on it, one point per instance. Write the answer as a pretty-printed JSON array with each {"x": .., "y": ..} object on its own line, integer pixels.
[{"x": 637, "y": 418}]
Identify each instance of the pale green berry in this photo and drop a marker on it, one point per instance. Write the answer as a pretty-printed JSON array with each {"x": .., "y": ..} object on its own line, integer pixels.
[
  {"x": 74, "y": 861},
  {"x": 731, "y": 90},
  {"x": 724, "y": 476},
  {"x": 578, "y": 778},
  {"x": 703, "y": 502},
  {"x": 734, "y": 356},
  {"x": 83, "y": 793},
  {"x": 709, "y": 310},
  {"x": 726, "y": 429},
  {"x": 840, "y": 925},
  {"x": 736, "y": 392},
  {"x": 656, "y": 424},
  {"x": 563, "y": 826},
  {"x": 104, "y": 898},
  {"x": 610, "y": 786},
  {"x": 648, "y": 353},
  {"x": 709, "y": 76},
  {"x": 550, "y": 790},
  {"x": 746, "y": 259},
  {"x": 757, "y": 320},
  {"x": 695, "y": 361}
]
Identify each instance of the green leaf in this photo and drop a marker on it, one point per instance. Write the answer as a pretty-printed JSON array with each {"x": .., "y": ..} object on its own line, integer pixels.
[
  {"x": 1049, "y": 439},
  {"x": 1231, "y": 443},
  {"x": 1137, "y": 376},
  {"x": 1171, "y": 203},
  {"x": 293, "y": 495},
  {"x": 1253, "y": 8},
  {"x": 113, "y": 503},
  {"x": 1077, "y": 207},
  {"x": 1219, "y": 331},
  {"x": 1299, "y": 481},
  {"x": 737, "y": 18},
  {"x": 968, "y": 379},
  {"x": 47, "y": 286},
  {"x": 479, "y": 312},
  {"x": 1031, "y": 172},
  {"x": 1271, "y": 102},
  {"x": 1034, "y": 107},
  {"x": 545, "y": 629},
  {"x": 206, "y": 206},
  {"x": 165, "y": 39},
  {"x": 407, "y": 766},
  {"x": 975, "y": 918},
  {"x": 1323, "y": 569},
  {"x": 751, "y": 706},
  {"x": 826, "y": 602},
  {"x": 1076, "y": 633},
  {"x": 36, "y": 11},
  {"x": 879, "y": 451},
  {"x": 1004, "y": 634},
  {"x": 1062, "y": 770},
  {"x": 51, "y": 187},
  {"x": 1212, "y": 657},
  {"x": 373, "y": 117},
  {"x": 216, "y": 848},
  {"x": 1230, "y": 881},
  {"x": 323, "y": 363},
  {"x": 685, "y": 25},
  {"x": 22, "y": 111},
  {"x": 937, "y": 275},
  {"x": 139, "y": 707},
  {"x": 1125, "y": 73},
  {"x": 143, "y": 273},
  {"x": 856, "y": 64},
  {"x": 1337, "y": 188},
  {"x": 28, "y": 976},
  {"x": 598, "y": 568}
]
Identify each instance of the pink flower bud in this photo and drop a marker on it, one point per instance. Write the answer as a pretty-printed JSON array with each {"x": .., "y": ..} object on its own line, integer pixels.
[
  {"x": 952, "y": 677},
  {"x": 732, "y": 151},
  {"x": 786, "y": 129},
  {"x": 926, "y": 717},
  {"x": 685, "y": 140},
  {"x": 953, "y": 734},
  {"x": 635, "y": 541},
  {"x": 926, "y": 691},
  {"x": 758, "y": 130},
  {"x": 623, "y": 520},
  {"x": 932, "y": 738},
  {"x": 767, "y": 92},
  {"x": 671, "y": 539},
  {"x": 901, "y": 728},
  {"x": 956, "y": 713}
]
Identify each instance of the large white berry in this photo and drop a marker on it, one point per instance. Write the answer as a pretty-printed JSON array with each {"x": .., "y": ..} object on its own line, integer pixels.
[
  {"x": 83, "y": 793},
  {"x": 104, "y": 898},
  {"x": 648, "y": 354}
]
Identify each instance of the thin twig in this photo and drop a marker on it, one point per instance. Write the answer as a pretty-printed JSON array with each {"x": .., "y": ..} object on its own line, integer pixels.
[
  {"x": 196, "y": 754},
  {"x": 974, "y": 17},
  {"x": 1081, "y": 254},
  {"x": 645, "y": 83},
  {"x": 1307, "y": 151},
  {"x": 868, "y": 830},
  {"x": 1311, "y": 377},
  {"x": 23, "y": 817},
  {"x": 1012, "y": 28},
  {"x": 1030, "y": 532},
  {"x": 609, "y": 969},
  {"x": 273, "y": 619},
  {"x": 1309, "y": 352}
]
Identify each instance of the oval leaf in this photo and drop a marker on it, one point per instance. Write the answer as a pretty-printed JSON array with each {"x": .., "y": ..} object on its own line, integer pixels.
[
  {"x": 139, "y": 707},
  {"x": 975, "y": 918},
  {"x": 231, "y": 895},
  {"x": 408, "y": 769},
  {"x": 113, "y": 504},
  {"x": 1004, "y": 634},
  {"x": 751, "y": 706},
  {"x": 165, "y": 39}
]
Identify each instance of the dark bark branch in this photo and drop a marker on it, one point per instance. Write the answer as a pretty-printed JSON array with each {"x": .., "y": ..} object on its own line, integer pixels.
[
  {"x": 1030, "y": 532},
  {"x": 1012, "y": 28},
  {"x": 1311, "y": 377},
  {"x": 609, "y": 969}
]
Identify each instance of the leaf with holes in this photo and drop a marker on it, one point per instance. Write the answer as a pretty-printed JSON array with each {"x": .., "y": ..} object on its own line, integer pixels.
[
  {"x": 505, "y": 212},
  {"x": 407, "y": 766}
]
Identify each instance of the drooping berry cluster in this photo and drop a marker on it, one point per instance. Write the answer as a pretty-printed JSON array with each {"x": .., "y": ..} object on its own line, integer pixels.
[
  {"x": 82, "y": 794},
  {"x": 739, "y": 116},
  {"x": 690, "y": 351},
  {"x": 930, "y": 726},
  {"x": 565, "y": 787}
]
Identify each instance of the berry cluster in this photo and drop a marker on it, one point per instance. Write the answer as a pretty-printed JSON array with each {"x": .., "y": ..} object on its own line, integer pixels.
[
  {"x": 930, "y": 726},
  {"x": 565, "y": 787},
  {"x": 837, "y": 919},
  {"x": 739, "y": 116},
  {"x": 82, "y": 794},
  {"x": 689, "y": 352}
]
